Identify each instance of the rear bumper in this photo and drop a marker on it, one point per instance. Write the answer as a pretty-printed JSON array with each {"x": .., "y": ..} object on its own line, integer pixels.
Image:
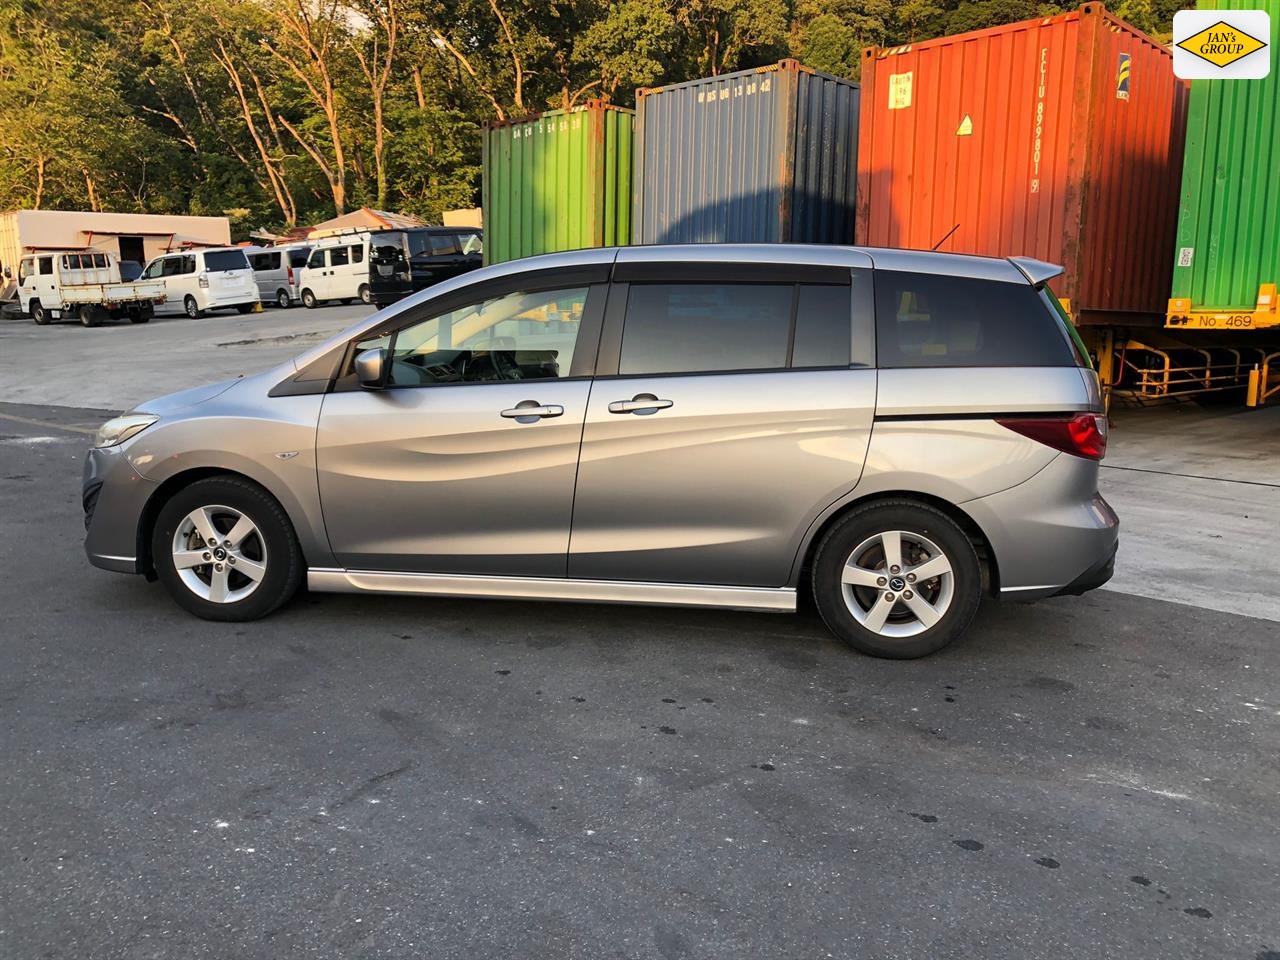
[
  {"x": 1052, "y": 535},
  {"x": 113, "y": 495}
]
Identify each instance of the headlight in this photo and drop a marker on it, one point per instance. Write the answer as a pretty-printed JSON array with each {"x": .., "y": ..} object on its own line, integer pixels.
[{"x": 122, "y": 428}]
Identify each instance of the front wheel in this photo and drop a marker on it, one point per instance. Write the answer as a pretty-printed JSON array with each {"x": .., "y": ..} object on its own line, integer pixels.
[
  {"x": 309, "y": 300},
  {"x": 897, "y": 579},
  {"x": 38, "y": 313},
  {"x": 225, "y": 550}
]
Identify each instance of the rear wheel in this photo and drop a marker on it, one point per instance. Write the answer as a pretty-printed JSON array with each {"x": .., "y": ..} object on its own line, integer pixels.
[
  {"x": 139, "y": 315},
  {"x": 225, "y": 550},
  {"x": 38, "y": 313},
  {"x": 897, "y": 579},
  {"x": 243, "y": 308},
  {"x": 92, "y": 315},
  {"x": 309, "y": 300},
  {"x": 283, "y": 300},
  {"x": 191, "y": 307},
  {"x": 365, "y": 295}
]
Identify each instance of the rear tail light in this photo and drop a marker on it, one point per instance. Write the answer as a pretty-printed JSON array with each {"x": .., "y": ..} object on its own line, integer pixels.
[
  {"x": 204, "y": 280},
  {"x": 291, "y": 273},
  {"x": 1082, "y": 435}
]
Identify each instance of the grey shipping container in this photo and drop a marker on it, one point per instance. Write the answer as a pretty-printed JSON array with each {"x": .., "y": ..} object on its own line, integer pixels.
[{"x": 759, "y": 156}]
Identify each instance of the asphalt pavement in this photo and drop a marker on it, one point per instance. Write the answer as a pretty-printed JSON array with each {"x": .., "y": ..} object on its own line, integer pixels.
[{"x": 364, "y": 777}]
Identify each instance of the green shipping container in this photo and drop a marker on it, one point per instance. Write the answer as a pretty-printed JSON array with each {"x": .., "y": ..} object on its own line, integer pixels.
[
  {"x": 1227, "y": 259},
  {"x": 558, "y": 181}
]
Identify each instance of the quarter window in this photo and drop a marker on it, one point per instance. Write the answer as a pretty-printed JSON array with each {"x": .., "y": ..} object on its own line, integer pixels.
[
  {"x": 520, "y": 336},
  {"x": 928, "y": 320},
  {"x": 357, "y": 254}
]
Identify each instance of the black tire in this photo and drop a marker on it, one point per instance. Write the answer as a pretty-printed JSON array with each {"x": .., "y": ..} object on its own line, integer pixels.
[
  {"x": 284, "y": 562},
  {"x": 910, "y": 517},
  {"x": 191, "y": 307},
  {"x": 243, "y": 308},
  {"x": 39, "y": 314},
  {"x": 309, "y": 300},
  {"x": 283, "y": 300},
  {"x": 366, "y": 296},
  {"x": 92, "y": 316},
  {"x": 139, "y": 316}
]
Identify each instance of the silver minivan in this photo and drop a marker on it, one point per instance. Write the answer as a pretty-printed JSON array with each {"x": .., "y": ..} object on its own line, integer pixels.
[{"x": 898, "y": 433}]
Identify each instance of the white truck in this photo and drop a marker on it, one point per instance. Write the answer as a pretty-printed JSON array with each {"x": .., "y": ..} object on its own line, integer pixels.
[{"x": 83, "y": 284}]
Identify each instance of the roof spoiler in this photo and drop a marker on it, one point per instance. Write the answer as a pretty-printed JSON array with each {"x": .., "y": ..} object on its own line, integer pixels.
[{"x": 1037, "y": 271}]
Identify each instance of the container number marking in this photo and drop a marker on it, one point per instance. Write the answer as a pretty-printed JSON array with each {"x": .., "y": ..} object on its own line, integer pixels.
[{"x": 1039, "y": 137}]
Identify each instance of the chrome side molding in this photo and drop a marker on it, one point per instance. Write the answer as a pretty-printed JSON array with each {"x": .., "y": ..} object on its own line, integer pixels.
[{"x": 778, "y": 599}]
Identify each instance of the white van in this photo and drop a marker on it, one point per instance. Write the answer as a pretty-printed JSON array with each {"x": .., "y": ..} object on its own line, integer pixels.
[
  {"x": 276, "y": 271},
  {"x": 206, "y": 279},
  {"x": 338, "y": 269}
]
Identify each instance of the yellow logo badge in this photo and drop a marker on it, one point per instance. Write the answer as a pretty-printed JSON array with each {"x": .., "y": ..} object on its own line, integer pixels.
[{"x": 1221, "y": 44}]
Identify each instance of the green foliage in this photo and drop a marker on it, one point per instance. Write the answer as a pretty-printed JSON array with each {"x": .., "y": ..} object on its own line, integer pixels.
[{"x": 282, "y": 112}]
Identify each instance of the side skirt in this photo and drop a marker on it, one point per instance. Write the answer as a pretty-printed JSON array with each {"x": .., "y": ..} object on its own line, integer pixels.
[{"x": 776, "y": 599}]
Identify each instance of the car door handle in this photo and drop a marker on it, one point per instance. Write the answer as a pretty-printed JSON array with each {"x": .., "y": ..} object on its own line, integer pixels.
[
  {"x": 642, "y": 404},
  {"x": 530, "y": 411}
]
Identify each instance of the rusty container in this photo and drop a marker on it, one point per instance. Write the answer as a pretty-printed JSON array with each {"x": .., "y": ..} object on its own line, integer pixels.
[{"x": 1059, "y": 138}]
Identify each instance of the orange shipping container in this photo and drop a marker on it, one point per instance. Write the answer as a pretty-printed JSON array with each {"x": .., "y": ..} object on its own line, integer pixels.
[{"x": 1059, "y": 138}]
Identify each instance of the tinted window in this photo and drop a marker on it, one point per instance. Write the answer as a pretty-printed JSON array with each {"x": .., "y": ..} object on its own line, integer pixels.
[
  {"x": 171, "y": 266},
  {"x": 99, "y": 259},
  {"x": 925, "y": 320},
  {"x": 521, "y": 336},
  {"x": 225, "y": 260},
  {"x": 46, "y": 265},
  {"x": 823, "y": 325},
  {"x": 265, "y": 261},
  {"x": 317, "y": 259},
  {"x": 357, "y": 254},
  {"x": 298, "y": 258},
  {"x": 339, "y": 256},
  {"x": 470, "y": 243},
  {"x": 691, "y": 327},
  {"x": 443, "y": 244},
  {"x": 419, "y": 243},
  {"x": 189, "y": 263}
]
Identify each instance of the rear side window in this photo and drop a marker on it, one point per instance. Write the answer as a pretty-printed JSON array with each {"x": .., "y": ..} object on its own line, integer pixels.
[
  {"x": 927, "y": 320},
  {"x": 339, "y": 256},
  {"x": 46, "y": 266},
  {"x": 357, "y": 254},
  {"x": 444, "y": 244},
  {"x": 225, "y": 260},
  {"x": 298, "y": 258}
]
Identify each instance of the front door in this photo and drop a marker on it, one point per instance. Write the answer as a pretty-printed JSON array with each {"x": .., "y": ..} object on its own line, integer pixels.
[
  {"x": 728, "y": 410},
  {"x": 465, "y": 462}
]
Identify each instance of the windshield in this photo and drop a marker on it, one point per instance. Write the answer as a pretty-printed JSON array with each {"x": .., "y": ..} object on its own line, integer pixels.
[{"x": 225, "y": 260}]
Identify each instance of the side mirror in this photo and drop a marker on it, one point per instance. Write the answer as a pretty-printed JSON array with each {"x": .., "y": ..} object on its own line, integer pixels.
[{"x": 371, "y": 368}]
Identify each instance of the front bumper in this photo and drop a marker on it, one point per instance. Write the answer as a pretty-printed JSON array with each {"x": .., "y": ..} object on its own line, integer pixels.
[{"x": 114, "y": 496}]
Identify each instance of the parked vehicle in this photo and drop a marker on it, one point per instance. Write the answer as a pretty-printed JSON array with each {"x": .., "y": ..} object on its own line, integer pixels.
[
  {"x": 402, "y": 262},
  {"x": 337, "y": 269},
  {"x": 83, "y": 284},
  {"x": 276, "y": 271},
  {"x": 691, "y": 425},
  {"x": 206, "y": 279}
]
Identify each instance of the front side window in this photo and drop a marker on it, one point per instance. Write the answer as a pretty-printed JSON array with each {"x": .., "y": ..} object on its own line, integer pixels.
[
  {"x": 928, "y": 320},
  {"x": 520, "y": 336},
  {"x": 339, "y": 256},
  {"x": 26, "y": 267},
  {"x": 317, "y": 259},
  {"x": 154, "y": 270},
  {"x": 470, "y": 243},
  {"x": 443, "y": 245},
  {"x": 705, "y": 327}
]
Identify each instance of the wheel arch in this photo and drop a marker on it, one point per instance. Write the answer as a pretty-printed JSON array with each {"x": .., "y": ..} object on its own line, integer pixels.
[
  {"x": 170, "y": 486},
  {"x": 975, "y": 533}
]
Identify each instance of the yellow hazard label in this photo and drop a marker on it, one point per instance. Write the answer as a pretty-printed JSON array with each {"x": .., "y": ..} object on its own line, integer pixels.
[
  {"x": 900, "y": 90},
  {"x": 966, "y": 127},
  {"x": 1221, "y": 44}
]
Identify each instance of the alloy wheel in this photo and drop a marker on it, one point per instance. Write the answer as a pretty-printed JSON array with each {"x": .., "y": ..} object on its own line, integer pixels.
[
  {"x": 219, "y": 553},
  {"x": 897, "y": 583}
]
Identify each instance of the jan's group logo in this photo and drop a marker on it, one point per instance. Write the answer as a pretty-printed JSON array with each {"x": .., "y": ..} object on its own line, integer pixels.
[{"x": 1222, "y": 44}]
